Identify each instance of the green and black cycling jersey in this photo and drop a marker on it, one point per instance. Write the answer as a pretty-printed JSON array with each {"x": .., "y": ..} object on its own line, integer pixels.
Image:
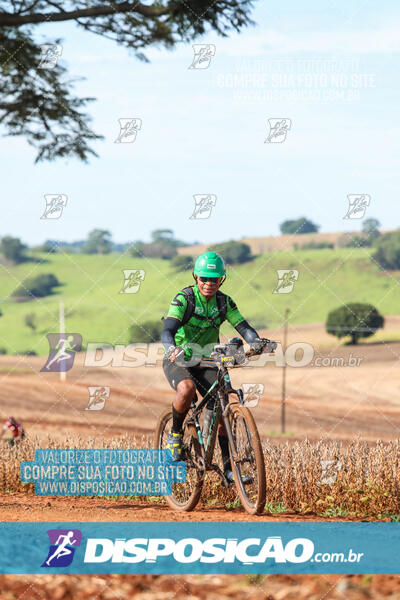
[{"x": 204, "y": 324}]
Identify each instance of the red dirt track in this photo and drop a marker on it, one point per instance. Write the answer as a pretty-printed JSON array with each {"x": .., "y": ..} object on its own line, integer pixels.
[
  {"x": 199, "y": 587},
  {"x": 21, "y": 507}
]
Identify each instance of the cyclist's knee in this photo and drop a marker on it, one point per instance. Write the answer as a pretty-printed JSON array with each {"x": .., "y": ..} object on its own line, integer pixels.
[{"x": 186, "y": 389}]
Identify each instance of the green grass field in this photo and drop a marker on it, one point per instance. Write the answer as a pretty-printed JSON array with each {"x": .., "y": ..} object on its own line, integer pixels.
[{"x": 96, "y": 308}]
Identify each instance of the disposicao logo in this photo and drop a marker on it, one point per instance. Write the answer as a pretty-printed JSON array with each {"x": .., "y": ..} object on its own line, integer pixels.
[
  {"x": 189, "y": 550},
  {"x": 63, "y": 543}
]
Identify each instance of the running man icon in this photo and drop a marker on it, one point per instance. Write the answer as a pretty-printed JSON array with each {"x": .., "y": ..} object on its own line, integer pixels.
[
  {"x": 63, "y": 347},
  {"x": 278, "y": 130},
  {"x": 203, "y": 205},
  {"x": 358, "y": 204},
  {"x": 62, "y": 549},
  {"x": 203, "y": 54},
  {"x": 286, "y": 280},
  {"x": 55, "y": 204},
  {"x": 97, "y": 397},
  {"x": 63, "y": 543}
]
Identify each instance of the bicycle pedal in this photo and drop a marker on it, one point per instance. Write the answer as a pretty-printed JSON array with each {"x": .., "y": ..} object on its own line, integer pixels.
[{"x": 225, "y": 482}]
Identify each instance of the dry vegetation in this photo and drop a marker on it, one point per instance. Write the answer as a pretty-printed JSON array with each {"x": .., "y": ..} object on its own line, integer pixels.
[
  {"x": 200, "y": 587},
  {"x": 367, "y": 480}
]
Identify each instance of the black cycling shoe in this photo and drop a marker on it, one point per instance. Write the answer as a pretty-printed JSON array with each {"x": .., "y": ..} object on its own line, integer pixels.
[{"x": 246, "y": 479}]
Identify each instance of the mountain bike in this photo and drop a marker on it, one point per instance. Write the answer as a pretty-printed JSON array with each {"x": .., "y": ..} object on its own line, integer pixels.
[{"x": 245, "y": 448}]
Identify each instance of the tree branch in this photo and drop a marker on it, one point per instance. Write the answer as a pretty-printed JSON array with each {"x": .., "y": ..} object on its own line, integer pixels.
[{"x": 15, "y": 20}]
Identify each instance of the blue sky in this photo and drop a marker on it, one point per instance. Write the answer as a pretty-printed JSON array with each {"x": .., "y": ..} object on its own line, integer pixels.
[{"x": 203, "y": 131}]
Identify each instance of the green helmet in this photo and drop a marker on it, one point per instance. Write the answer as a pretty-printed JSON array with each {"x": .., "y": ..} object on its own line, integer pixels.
[{"x": 209, "y": 264}]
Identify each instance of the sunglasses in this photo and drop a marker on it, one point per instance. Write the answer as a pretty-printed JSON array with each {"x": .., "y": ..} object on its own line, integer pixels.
[{"x": 212, "y": 279}]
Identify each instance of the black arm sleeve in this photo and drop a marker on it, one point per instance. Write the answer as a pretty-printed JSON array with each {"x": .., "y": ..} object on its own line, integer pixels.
[
  {"x": 171, "y": 326},
  {"x": 247, "y": 332}
]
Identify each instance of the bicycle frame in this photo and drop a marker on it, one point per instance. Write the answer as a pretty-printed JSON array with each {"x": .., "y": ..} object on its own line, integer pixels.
[{"x": 222, "y": 387}]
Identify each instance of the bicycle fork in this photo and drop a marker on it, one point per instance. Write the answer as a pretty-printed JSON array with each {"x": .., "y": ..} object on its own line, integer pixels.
[
  {"x": 224, "y": 410},
  {"x": 229, "y": 435}
]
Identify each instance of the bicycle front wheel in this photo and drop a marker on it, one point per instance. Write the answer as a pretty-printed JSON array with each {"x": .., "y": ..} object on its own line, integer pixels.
[
  {"x": 247, "y": 460},
  {"x": 186, "y": 494}
]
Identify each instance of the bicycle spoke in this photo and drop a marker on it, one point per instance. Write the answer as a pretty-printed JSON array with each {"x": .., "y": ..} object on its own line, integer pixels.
[
  {"x": 185, "y": 495},
  {"x": 249, "y": 462},
  {"x": 246, "y": 459}
]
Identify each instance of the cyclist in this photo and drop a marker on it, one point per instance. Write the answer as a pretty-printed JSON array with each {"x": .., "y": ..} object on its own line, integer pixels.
[
  {"x": 16, "y": 429},
  {"x": 209, "y": 307}
]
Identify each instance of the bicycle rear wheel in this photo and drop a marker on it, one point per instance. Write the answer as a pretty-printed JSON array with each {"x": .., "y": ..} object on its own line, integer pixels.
[
  {"x": 185, "y": 495},
  {"x": 249, "y": 460}
]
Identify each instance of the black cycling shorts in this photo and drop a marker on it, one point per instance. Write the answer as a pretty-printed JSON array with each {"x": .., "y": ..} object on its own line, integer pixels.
[{"x": 203, "y": 377}]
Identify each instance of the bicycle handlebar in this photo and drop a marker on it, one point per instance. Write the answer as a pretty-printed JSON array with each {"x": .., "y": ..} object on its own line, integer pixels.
[{"x": 268, "y": 348}]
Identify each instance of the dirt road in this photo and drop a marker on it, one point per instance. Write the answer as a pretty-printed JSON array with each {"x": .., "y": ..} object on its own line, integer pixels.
[
  {"x": 21, "y": 507},
  {"x": 199, "y": 587}
]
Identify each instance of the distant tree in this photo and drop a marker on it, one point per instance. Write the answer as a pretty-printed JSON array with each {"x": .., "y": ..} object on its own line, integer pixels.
[
  {"x": 62, "y": 246},
  {"x": 352, "y": 240},
  {"x": 233, "y": 252},
  {"x": 36, "y": 287},
  {"x": 316, "y": 246},
  {"x": 370, "y": 225},
  {"x": 153, "y": 250},
  {"x": 387, "y": 253},
  {"x": 369, "y": 234},
  {"x": 182, "y": 262},
  {"x": 120, "y": 247},
  {"x": 370, "y": 228},
  {"x": 30, "y": 321},
  {"x": 166, "y": 236},
  {"x": 162, "y": 235},
  {"x": 98, "y": 242},
  {"x": 48, "y": 247},
  {"x": 147, "y": 332},
  {"x": 355, "y": 319},
  {"x": 159, "y": 250},
  {"x": 163, "y": 245},
  {"x": 47, "y": 280},
  {"x": 136, "y": 249},
  {"x": 298, "y": 226},
  {"x": 53, "y": 246},
  {"x": 13, "y": 249}
]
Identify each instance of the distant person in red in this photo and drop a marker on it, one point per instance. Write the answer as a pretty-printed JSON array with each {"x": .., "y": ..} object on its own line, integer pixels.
[{"x": 16, "y": 430}]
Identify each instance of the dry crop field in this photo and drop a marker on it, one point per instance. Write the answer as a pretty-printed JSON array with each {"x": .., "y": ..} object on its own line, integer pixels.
[
  {"x": 333, "y": 402},
  {"x": 361, "y": 480},
  {"x": 347, "y": 415},
  {"x": 200, "y": 587}
]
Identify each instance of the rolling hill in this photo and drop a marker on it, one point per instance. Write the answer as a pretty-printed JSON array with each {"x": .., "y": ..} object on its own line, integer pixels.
[{"x": 96, "y": 308}]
